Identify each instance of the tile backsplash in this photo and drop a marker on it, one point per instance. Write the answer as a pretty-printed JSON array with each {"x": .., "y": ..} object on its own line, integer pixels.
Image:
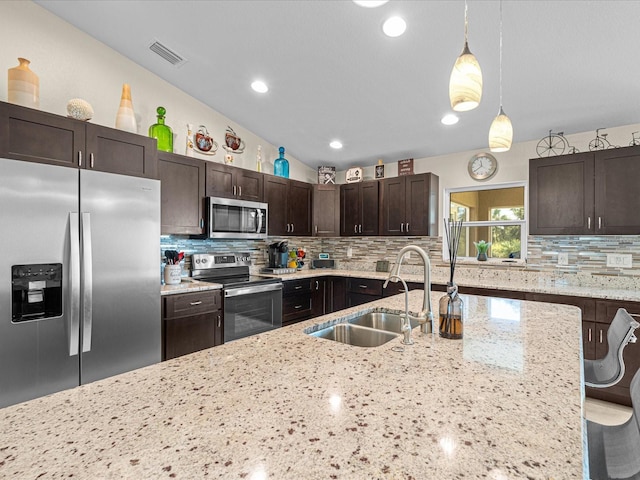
[{"x": 585, "y": 255}]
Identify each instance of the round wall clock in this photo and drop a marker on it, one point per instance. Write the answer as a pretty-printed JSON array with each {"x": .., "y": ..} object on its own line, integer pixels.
[{"x": 483, "y": 166}]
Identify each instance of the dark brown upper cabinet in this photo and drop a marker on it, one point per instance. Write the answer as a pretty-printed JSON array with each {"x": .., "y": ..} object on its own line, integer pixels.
[
  {"x": 359, "y": 208},
  {"x": 290, "y": 203},
  {"x": 232, "y": 182},
  {"x": 182, "y": 194},
  {"x": 590, "y": 193},
  {"x": 409, "y": 205},
  {"x": 326, "y": 210},
  {"x": 35, "y": 136}
]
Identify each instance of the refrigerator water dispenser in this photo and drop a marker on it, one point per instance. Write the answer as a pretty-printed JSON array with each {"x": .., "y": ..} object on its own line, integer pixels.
[{"x": 36, "y": 291}]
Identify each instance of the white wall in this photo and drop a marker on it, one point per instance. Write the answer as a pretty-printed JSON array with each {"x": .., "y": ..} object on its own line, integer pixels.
[{"x": 71, "y": 64}]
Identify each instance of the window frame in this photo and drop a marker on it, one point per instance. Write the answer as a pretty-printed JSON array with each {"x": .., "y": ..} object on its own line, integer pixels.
[{"x": 488, "y": 223}]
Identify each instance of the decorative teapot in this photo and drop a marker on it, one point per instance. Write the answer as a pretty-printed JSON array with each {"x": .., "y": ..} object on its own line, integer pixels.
[
  {"x": 204, "y": 142},
  {"x": 233, "y": 141}
]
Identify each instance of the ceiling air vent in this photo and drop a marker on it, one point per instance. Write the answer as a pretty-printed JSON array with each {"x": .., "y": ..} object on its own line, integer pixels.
[{"x": 166, "y": 53}]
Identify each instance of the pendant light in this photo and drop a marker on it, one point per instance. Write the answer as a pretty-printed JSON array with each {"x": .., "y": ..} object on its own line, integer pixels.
[
  {"x": 465, "y": 84},
  {"x": 501, "y": 131}
]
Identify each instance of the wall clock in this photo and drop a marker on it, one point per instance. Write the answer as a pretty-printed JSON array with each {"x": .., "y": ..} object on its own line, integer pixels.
[{"x": 482, "y": 166}]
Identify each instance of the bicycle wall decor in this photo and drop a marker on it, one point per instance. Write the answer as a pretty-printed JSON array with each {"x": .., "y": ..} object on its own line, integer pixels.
[{"x": 556, "y": 144}]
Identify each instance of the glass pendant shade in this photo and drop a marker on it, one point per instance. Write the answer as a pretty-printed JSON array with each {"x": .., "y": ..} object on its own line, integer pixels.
[
  {"x": 500, "y": 133},
  {"x": 465, "y": 84}
]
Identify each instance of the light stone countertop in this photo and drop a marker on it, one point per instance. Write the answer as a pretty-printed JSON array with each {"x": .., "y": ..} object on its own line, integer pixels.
[
  {"x": 593, "y": 286},
  {"x": 188, "y": 286},
  {"x": 503, "y": 403}
]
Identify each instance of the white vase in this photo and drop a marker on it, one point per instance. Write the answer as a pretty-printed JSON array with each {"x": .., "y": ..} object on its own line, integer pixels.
[
  {"x": 23, "y": 85},
  {"x": 126, "y": 117},
  {"x": 189, "y": 146}
]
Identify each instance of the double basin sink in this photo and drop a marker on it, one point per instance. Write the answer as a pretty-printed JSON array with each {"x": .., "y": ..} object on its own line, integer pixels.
[{"x": 368, "y": 330}]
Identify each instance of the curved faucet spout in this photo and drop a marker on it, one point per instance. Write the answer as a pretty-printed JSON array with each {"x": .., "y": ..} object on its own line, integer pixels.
[{"x": 426, "y": 315}]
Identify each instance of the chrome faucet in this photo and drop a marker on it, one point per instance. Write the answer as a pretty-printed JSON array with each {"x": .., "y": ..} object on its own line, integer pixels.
[
  {"x": 425, "y": 317},
  {"x": 406, "y": 323}
]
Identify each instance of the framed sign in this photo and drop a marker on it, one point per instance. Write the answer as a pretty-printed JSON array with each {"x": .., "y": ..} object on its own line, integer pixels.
[
  {"x": 405, "y": 167},
  {"x": 326, "y": 175}
]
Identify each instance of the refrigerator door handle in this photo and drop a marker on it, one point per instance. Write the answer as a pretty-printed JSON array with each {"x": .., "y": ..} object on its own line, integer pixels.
[
  {"x": 74, "y": 277},
  {"x": 87, "y": 277}
]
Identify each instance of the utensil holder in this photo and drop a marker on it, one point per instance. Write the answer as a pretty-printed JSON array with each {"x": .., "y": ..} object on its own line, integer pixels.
[{"x": 172, "y": 274}]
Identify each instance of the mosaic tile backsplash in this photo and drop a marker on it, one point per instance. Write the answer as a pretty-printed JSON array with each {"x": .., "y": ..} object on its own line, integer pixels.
[{"x": 586, "y": 255}]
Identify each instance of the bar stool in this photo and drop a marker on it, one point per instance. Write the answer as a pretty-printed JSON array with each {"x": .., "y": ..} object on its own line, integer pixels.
[
  {"x": 609, "y": 370},
  {"x": 614, "y": 450}
]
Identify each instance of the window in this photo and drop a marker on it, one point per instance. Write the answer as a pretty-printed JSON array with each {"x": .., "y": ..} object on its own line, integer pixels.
[{"x": 495, "y": 214}]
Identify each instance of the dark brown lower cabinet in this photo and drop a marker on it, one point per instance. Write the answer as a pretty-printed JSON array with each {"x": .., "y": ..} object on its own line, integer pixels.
[
  {"x": 329, "y": 294},
  {"x": 191, "y": 322},
  {"x": 296, "y": 300}
]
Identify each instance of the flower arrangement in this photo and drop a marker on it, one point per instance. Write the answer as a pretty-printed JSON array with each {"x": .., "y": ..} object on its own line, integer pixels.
[{"x": 482, "y": 248}]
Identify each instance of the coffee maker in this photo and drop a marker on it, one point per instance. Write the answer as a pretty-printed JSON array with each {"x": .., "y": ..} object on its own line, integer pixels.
[{"x": 278, "y": 254}]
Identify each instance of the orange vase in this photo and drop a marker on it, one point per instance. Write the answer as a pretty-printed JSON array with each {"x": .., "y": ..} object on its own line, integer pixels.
[
  {"x": 23, "y": 85},
  {"x": 126, "y": 117}
]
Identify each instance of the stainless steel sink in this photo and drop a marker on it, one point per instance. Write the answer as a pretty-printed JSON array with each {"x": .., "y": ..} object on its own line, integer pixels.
[
  {"x": 390, "y": 322},
  {"x": 355, "y": 335}
]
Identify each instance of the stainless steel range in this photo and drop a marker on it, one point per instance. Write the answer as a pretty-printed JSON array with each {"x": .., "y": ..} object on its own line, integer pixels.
[{"x": 252, "y": 304}]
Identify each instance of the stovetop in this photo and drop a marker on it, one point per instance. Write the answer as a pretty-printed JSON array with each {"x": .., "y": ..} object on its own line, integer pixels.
[{"x": 229, "y": 269}]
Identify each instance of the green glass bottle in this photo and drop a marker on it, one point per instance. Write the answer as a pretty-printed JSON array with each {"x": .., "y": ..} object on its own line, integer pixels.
[{"x": 161, "y": 132}]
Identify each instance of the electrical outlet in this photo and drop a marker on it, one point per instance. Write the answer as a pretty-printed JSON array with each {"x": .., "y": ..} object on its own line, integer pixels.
[
  {"x": 349, "y": 252},
  {"x": 620, "y": 260},
  {"x": 563, "y": 258}
]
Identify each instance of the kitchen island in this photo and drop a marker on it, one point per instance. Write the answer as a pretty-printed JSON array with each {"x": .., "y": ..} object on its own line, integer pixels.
[{"x": 504, "y": 402}]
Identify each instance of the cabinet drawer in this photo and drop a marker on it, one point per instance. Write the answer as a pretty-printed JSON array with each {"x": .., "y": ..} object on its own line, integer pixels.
[
  {"x": 186, "y": 304},
  {"x": 297, "y": 286},
  {"x": 365, "y": 286},
  {"x": 296, "y": 307}
]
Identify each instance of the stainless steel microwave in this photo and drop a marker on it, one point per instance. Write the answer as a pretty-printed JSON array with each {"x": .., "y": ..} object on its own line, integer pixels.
[{"x": 232, "y": 218}]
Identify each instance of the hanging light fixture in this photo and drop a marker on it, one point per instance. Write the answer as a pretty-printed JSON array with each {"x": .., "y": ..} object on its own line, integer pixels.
[
  {"x": 465, "y": 84},
  {"x": 501, "y": 131}
]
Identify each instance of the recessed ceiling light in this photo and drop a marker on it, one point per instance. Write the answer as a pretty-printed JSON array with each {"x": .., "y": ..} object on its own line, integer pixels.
[
  {"x": 337, "y": 144},
  {"x": 450, "y": 119},
  {"x": 394, "y": 27},
  {"x": 259, "y": 86},
  {"x": 370, "y": 3}
]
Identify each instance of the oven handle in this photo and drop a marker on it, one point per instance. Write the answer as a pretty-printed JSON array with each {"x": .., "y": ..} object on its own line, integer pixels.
[{"x": 235, "y": 292}]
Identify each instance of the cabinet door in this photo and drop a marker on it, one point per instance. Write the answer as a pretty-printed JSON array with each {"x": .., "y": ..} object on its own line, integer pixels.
[
  {"x": 250, "y": 185},
  {"x": 275, "y": 194},
  {"x": 326, "y": 211},
  {"x": 189, "y": 334},
  {"x": 617, "y": 202},
  {"x": 220, "y": 181},
  {"x": 35, "y": 136},
  {"x": 561, "y": 195},
  {"x": 116, "y": 151},
  {"x": 335, "y": 294},
  {"x": 393, "y": 206},
  {"x": 421, "y": 204},
  {"x": 299, "y": 208},
  {"x": 350, "y": 208},
  {"x": 370, "y": 202},
  {"x": 318, "y": 294},
  {"x": 182, "y": 191}
]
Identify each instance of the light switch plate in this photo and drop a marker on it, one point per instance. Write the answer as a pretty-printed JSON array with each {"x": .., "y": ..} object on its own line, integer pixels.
[
  {"x": 563, "y": 258},
  {"x": 620, "y": 260}
]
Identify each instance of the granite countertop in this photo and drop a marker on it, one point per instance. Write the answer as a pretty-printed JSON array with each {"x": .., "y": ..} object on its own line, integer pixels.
[
  {"x": 613, "y": 288},
  {"x": 504, "y": 402},
  {"x": 188, "y": 286}
]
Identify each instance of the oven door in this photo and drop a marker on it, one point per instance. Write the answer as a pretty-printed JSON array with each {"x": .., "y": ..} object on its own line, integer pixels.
[{"x": 249, "y": 310}]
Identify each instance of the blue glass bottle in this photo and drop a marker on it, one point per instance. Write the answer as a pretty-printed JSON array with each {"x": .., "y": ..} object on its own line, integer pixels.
[{"x": 281, "y": 165}]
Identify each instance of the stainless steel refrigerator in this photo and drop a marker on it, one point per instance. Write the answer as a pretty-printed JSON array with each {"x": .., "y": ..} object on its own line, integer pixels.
[{"x": 79, "y": 283}]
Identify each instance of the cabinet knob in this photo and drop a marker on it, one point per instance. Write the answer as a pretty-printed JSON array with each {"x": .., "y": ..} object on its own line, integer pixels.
[
  {"x": 402, "y": 227},
  {"x": 91, "y": 160},
  {"x": 239, "y": 190},
  {"x": 80, "y": 158},
  {"x": 219, "y": 321},
  {"x": 599, "y": 223},
  {"x": 234, "y": 190},
  {"x": 407, "y": 227},
  {"x": 193, "y": 304},
  {"x": 355, "y": 229},
  {"x": 588, "y": 223},
  {"x": 292, "y": 228}
]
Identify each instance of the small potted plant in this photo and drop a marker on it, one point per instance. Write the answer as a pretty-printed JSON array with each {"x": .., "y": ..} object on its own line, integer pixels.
[{"x": 482, "y": 248}]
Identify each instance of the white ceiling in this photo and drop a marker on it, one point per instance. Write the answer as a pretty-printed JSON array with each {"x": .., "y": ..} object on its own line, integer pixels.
[{"x": 572, "y": 66}]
